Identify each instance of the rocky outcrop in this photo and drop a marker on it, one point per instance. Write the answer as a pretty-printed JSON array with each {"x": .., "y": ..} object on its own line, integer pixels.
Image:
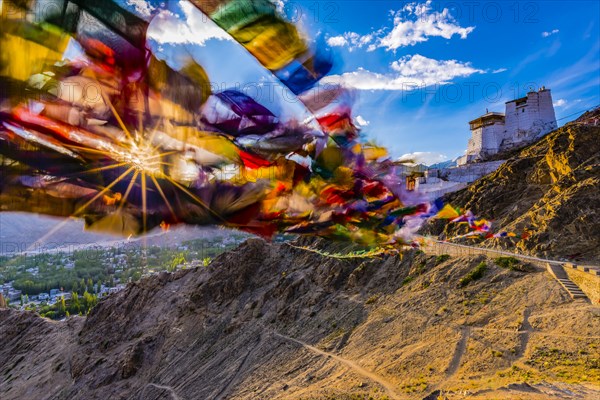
[
  {"x": 550, "y": 189},
  {"x": 273, "y": 321}
]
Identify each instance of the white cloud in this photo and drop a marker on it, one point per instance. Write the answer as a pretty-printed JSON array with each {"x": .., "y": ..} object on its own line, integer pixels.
[
  {"x": 424, "y": 157},
  {"x": 280, "y": 5},
  {"x": 351, "y": 40},
  {"x": 142, "y": 7},
  {"x": 499, "y": 70},
  {"x": 193, "y": 28},
  {"x": 560, "y": 103},
  {"x": 337, "y": 41},
  {"x": 409, "y": 73},
  {"x": 552, "y": 32},
  {"x": 360, "y": 121},
  {"x": 414, "y": 23}
]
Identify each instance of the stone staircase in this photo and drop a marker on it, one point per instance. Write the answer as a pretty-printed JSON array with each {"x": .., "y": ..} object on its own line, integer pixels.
[{"x": 558, "y": 272}]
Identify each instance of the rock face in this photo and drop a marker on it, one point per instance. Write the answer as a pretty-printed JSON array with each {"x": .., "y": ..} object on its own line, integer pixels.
[
  {"x": 272, "y": 321},
  {"x": 551, "y": 188}
]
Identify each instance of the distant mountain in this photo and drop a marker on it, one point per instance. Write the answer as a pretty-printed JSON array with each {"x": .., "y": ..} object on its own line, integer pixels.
[
  {"x": 32, "y": 232},
  {"x": 444, "y": 164},
  {"x": 23, "y": 230}
]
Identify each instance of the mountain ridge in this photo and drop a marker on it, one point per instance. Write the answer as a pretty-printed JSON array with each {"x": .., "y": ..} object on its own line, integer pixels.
[
  {"x": 548, "y": 194},
  {"x": 271, "y": 321}
]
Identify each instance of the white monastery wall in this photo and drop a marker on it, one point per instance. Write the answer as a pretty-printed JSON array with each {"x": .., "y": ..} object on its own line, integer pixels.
[
  {"x": 470, "y": 172},
  {"x": 528, "y": 119},
  {"x": 524, "y": 120}
]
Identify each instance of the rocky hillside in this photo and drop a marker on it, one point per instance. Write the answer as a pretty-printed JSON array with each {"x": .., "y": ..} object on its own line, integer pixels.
[
  {"x": 551, "y": 188},
  {"x": 273, "y": 321}
]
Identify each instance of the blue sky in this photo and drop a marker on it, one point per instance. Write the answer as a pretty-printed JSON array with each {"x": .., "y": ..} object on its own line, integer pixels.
[
  {"x": 551, "y": 43},
  {"x": 422, "y": 70}
]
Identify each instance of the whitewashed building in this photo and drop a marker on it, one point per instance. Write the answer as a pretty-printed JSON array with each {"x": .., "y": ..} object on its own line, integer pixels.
[{"x": 525, "y": 120}]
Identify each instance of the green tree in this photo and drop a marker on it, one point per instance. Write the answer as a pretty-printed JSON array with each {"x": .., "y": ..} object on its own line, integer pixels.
[
  {"x": 49, "y": 314},
  {"x": 177, "y": 260},
  {"x": 75, "y": 307},
  {"x": 89, "y": 301},
  {"x": 60, "y": 307}
]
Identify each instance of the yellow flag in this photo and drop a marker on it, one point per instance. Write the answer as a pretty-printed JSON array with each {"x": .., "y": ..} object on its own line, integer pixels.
[{"x": 447, "y": 212}]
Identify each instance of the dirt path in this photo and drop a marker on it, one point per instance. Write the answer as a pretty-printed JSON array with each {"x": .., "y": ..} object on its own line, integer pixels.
[
  {"x": 461, "y": 347},
  {"x": 167, "y": 388},
  {"x": 389, "y": 387},
  {"x": 524, "y": 333}
]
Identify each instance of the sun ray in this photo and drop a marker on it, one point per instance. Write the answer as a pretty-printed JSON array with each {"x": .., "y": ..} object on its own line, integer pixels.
[
  {"x": 140, "y": 123},
  {"x": 117, "y": 116},
  {"x": 196, "y": 198},
  {"x": 126, "y": 195},
  {"x": 88, "y": 149},
  {"x": 167, "y": 153},
  {"x": 66, "y": 220},
  {"x": 106, "y": 189},
  {"x": 49, "y": 233},
  {"x": 89, "y": 171},
  {"x": 144, "y": 202},
  {"x": 144, "y": 221},
  {"x": 153, "y": 133},
  {"x": 162, "y": 194}
]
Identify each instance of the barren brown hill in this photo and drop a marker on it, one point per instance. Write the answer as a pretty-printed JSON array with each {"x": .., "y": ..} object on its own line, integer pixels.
[
  {"x": 272, "y": 321},
  {"x": 551, "y": 188}
]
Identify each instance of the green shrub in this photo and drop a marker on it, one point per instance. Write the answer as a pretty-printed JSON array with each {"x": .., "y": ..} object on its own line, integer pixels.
[
  {"x": 49, "y": 314},
  {"x": 512, "y": 264},
  {"x": 441, "y": 258},
  {"x": 475, "y": 274},
  {"x": 407, "y": 280},
  {"x": 506, "y": 262}
]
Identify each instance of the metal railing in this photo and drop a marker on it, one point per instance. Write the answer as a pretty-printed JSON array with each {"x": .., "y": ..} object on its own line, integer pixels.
[{"x": 440, "y": 247}]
